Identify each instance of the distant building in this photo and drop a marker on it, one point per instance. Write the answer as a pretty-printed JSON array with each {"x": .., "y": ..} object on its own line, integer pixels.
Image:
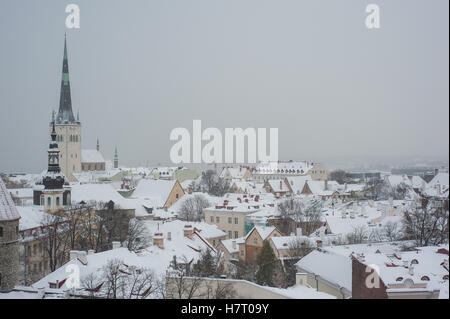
[
  {"x": 92, "y": 160},
  {"x": 279, "y": 170}
]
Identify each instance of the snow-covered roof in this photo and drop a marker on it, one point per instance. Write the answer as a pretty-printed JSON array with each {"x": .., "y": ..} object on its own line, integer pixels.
[
  {"x": 345, "y": 219},
  {"x": 31, "y": 217},
  {"x": 301, "y": 292},
  {"x": 284, "y": 242},
  {"x": 228, "y": 244},
  {"x": 396, "y": 180},
  {"x": 441, "y": 178},
  {"x": 99, "y": 193},
  {"x": 329, "y": 265},
  {"x": 298, "y": 182},
  {"x": 21, "y": 192},
  {"x": 8, "y": 210},
  {"x": 233, "y": 172},
  {"x": 430, "y": 267},
  {"x": 279, "y": 185},
  {"x": 154, "y": 189},
  {"x": 263, "y": 231},
  {"x": 91, "y": 156}
]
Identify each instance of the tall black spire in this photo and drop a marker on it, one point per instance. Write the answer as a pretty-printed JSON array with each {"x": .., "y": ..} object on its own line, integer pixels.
[{"x": 65, "y": 114}]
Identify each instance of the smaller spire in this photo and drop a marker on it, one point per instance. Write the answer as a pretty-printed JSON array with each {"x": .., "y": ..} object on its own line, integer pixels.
[
  {"x": 98, "y": 145},
  {"x": 78, "y": 115}
]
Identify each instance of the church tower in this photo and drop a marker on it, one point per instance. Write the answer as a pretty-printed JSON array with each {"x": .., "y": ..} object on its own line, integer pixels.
[
  {"x": 67, "y": 128},
  {"x": 116, "y": 159},
  {"x": 53, "y": 180}
]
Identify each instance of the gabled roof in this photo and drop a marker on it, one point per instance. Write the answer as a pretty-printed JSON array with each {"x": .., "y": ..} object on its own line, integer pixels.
[
  {"x": 8, "y": 210},
  {"x": 264, "y": 232},
  {"x": 91, "y": 156},
  {"x": 154, "y": 189}
]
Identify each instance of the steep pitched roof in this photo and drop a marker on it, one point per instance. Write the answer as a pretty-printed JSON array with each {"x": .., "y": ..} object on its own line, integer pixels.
[{"x": 8, "y": 210}]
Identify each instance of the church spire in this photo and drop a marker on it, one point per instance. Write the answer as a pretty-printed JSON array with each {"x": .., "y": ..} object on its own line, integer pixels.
[
  {"x": 53, "y": 179},
  {"x": 116, "y": 159},
  {"x": 65, "y": 113}
]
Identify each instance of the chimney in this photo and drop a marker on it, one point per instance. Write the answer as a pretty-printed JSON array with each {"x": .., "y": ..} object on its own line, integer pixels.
[
  {"x": 319, "y": 243},
  {"x": 115, "y": 244},
  {"x": 82, "y": 257},
  {"x": 188, "y": 231},
  {"x": 158, "y": 240},
  {"x": 411, "y": 270},
  {"x": 233, "y": 243}
]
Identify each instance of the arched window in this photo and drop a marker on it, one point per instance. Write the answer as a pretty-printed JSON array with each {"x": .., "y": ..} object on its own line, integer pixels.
[
  {"x": 445, "y": 277},
  {"x": 425, "y": 278},
  {"x": 399, "y": 279},
  {"x": 49, "y": 201},
  {"x": 414, "y": 262}
]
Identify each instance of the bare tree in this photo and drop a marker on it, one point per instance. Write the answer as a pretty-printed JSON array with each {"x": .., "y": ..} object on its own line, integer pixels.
[
  {"x": 339, "y": 176},
  {"x": 179, "y": 283},
  {"x": 392, "y": 231},
  {"x": 54, "y": 236},
  {"x": 192, "y": 208},
  {"x": 308, "y": 218},
  {"x": 213, "y": 184},
  {"x": 91, "y": 283},
  {"x": 427, "y": 225},
  {"x": 113, "y": 278},
  {"x": 358, "y": 235},
  {"x": 137, "y": 236},
  {"x": 299, "y": 247}
]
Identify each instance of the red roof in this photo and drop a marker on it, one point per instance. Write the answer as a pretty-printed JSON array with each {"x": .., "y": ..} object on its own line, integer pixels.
[{"x": 442, "y": 251}]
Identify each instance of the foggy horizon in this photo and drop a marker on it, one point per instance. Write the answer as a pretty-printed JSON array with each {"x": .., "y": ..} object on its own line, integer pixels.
[{"x": 335, "y": 90}]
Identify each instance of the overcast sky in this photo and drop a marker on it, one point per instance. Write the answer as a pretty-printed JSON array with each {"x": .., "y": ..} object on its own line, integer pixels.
[{"x": 138, "y": 69}]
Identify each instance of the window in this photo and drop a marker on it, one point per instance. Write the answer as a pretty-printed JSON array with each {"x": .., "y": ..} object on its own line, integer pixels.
[
  {"x": 217, "y": 219},
  {"x": 229, "y": 220},
  {"x": 41, "y": 200},
  {"x": 212, "y": 219},
  {"x": 236, "y": 220},
  {"x": 230, "y": 234},
  {"x": 34, "y": 250},
  {"x": 49, "y": 201},
  {"x": 236, "y": 234},
  {"x": 242, "y": 253},
  {"x": 1, "y": 231},
  {"x": 214, "y": 242},
  {"x": 29, "y": 250},
  {"x": 176, "y": 196},
  {"x": 57, "y": 201},
  {"x": 255, "y": 241}
]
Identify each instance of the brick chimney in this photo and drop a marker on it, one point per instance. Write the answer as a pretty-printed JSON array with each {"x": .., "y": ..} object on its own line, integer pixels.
[
  {"x": 188, "y": 231},
  {"x": 158, "y": 240}
]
